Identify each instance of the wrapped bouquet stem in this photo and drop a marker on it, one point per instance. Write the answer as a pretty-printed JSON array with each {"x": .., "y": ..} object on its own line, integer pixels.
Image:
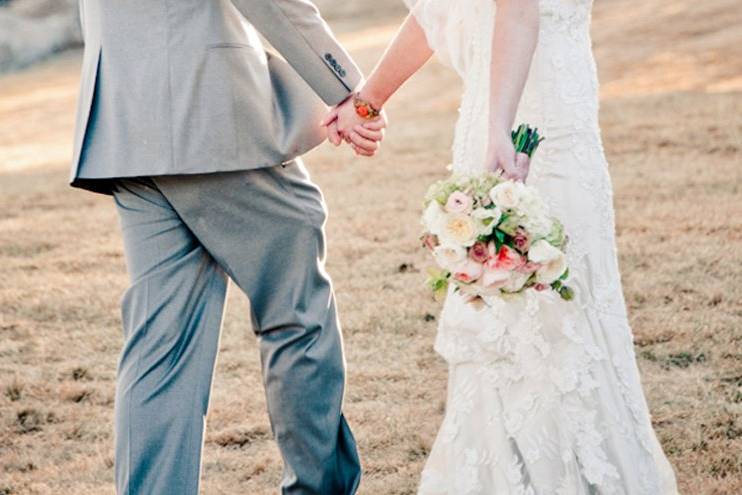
[{"x": 494, "y": 237}]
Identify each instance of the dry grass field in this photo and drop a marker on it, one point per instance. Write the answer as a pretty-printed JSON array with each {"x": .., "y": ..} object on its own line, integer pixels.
[{"x": 672, "y": 124}]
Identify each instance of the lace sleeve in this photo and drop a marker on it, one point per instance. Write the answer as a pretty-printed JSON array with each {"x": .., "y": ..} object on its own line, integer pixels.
[
  {"x": 434, "y": 17},
  {"x": 453, "y": 26}
]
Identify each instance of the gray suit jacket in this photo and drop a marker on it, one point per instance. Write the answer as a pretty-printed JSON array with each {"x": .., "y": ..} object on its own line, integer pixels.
[{"x": 185, "y": 86}]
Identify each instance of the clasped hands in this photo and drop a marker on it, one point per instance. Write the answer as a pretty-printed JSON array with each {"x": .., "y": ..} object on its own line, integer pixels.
[{"x": 343, "y": 123}]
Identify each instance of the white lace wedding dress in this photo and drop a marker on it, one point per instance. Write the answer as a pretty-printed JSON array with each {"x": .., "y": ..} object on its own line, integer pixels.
[{"x": 544, "y": 395}]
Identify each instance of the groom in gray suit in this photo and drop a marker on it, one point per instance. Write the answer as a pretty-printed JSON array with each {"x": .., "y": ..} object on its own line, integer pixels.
[{"x": 196, "y": 131}]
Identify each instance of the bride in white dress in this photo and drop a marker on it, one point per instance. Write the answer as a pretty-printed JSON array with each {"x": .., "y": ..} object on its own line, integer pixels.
[{"x": 544, "y": 395}]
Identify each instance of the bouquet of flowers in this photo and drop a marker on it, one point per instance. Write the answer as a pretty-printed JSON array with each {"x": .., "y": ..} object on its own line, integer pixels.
[{"x": 494, "y": 237}]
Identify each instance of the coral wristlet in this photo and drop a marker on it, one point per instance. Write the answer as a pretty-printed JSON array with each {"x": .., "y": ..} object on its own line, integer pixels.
[{"x": 364, "y": 109}]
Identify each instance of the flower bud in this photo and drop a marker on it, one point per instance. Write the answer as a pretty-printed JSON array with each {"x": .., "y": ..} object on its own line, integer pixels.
[{"x": 567, "y": 293}]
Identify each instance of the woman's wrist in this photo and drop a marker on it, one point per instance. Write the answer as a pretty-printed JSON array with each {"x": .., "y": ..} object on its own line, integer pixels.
[
  {"x": 500, "y": 126},
  {"x": 371, "y": 97},
  {"x": 364, "y": 109},
  {"x": 499, "y": 139},
  {"x": 499, "y": 135}
]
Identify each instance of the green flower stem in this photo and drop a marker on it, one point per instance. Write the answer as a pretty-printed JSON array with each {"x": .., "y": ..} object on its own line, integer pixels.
[{"x": 526, "y": 139}]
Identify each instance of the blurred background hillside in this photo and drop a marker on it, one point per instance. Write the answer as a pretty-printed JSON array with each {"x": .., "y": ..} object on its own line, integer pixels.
[
  {"x": 31, "y": 30},
  {"x": 671, "y": 116}
]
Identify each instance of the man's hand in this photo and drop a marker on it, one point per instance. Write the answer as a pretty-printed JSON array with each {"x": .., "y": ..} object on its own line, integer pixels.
[{"x": 363, "y": 135}]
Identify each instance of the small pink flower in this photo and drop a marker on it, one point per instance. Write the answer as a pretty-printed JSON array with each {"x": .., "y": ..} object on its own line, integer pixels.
[
  {"x": 540, "y": 287},
  {"x": 521, "y": 240},
  {"x": 529, "y": 267},
  {"x": 430, "y": 241},
  {"x": 479, "y": 252},
  {"x": 468, "y": 272},
  {"x": 458, "y": 202}
]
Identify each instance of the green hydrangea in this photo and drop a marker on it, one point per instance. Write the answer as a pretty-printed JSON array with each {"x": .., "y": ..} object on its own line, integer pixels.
[
  {"x": 556, "y": 236},
  {"x": 440, "y": 191}
]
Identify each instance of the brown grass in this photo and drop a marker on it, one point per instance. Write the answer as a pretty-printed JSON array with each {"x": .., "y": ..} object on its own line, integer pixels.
[{"x": 672, "y": 125}]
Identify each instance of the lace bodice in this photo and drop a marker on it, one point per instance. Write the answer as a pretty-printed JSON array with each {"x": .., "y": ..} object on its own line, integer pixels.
[{"x": 560, "y": 96}]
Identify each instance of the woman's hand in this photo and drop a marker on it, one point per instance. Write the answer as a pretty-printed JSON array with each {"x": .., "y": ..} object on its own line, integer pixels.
[
  {"x": 513, "y": 43},
  {"x": 501, "y": 156}
]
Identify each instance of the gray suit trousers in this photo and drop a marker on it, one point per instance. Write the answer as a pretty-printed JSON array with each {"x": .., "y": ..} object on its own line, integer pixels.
[{"x": 183, "y": 236}]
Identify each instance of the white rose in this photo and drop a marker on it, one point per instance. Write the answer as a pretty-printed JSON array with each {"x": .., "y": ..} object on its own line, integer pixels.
[
  {"x": 488, "y": 219},
  {"x": 494, "y": 278},
  {"x": 538, "y": 225},
  {"x": 553, "y": 262},
  {"x": 535, "y": 213},
  {"x": 448, "y": 256},
  {"x": 530, "y": 203},
  {"x": 459, "y": 229},
  {"x": 484, "y": 213},
  {"x": 507, "y": 194},
  {"x": 433, "y": 218},
  {"x": 516, "y": 281}
]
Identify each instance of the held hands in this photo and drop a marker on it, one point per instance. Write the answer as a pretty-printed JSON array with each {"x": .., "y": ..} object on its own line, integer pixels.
[
  {"x": 344, "y": 124},
  {"x": 502, "y": 156}
]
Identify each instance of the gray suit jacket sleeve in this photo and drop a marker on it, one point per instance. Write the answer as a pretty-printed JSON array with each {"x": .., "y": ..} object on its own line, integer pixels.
[{"x": 296, "y": 29}]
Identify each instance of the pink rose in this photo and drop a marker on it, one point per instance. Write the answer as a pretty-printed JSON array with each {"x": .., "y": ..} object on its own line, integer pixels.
[
  {"x": 521, "y": 240},
  {"x": 458, "y": 202},
  {"x": 468, "y": 271},
  {"x": 507, "y": 259},
  {"x": 479, "y": 252}
]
